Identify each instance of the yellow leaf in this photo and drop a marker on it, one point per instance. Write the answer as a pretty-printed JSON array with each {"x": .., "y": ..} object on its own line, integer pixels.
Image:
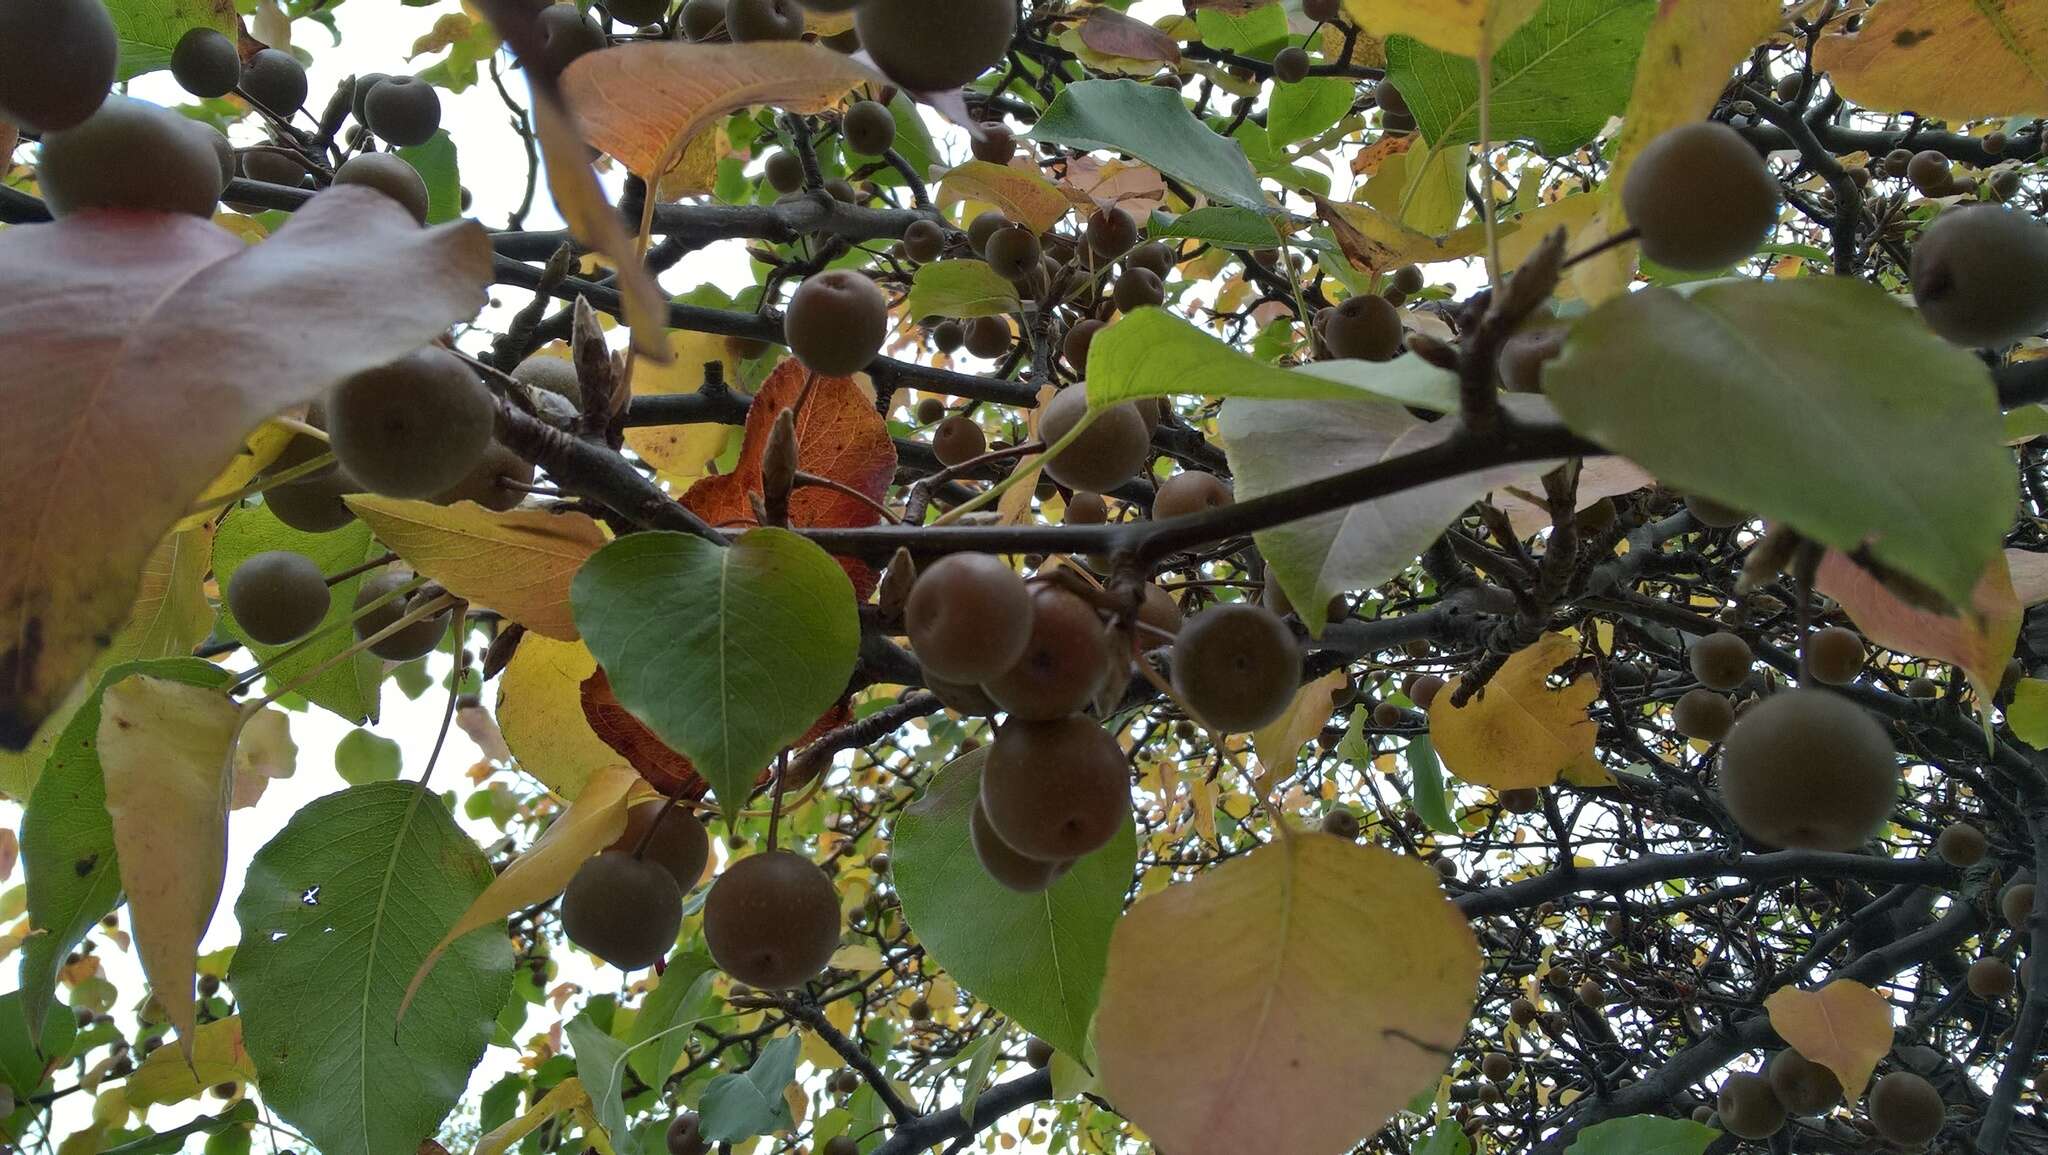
[
  {"x": 1334, "y": 979},
  {"x": 170, "y": 616},
  {"x": 1423, "y": 188},
  {"x": 448, "y": 28},
  {"x": 592, "y": 822},
  {"x": 258, "y": 451},
  {"x": 540, "y": 712},
  {"x": 857, "y": 957},
  {"x": 1452, "y": 25},
  {"x": 164, "y": 748},
  {"x": 518, "y": 563},
  {"x": 1020, "y": 193},
  {"x": 682, "y": 453},
  {"x": 643, "y": 102},
  {"x": 1377, "y": 242},
  {"x": 1279, "y": 743},
  {"x": 1844, "y": 1026},
  {"x": 1517, "y": 732},
  {"x": 217, "y": 1057},
  {"x": 566, "y": 1095},
  {"x": 592, "y": 220},
  {"x": 1950, "y": 59},
  {"x": 1687, "y": 56}
]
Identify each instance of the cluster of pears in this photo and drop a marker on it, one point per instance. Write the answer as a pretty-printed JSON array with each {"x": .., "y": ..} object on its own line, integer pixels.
[
  {"x": 1056, "y": 785},
  {"x": 1904, "y": 1108},
  {"x": 1804, "y": 769},
  {"x": 625, "y": 904},
  {"x": 421, "y": 427}
]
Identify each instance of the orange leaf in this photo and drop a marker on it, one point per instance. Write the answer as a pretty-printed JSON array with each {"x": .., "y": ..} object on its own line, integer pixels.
[
  {"x": 643, "y": 102},
  {"x": 1980, "y": 643},
  {"x": 664, "y": 768},
  {"x": 1844, "y": 1026},
  {"x": 839, "y": 436}
]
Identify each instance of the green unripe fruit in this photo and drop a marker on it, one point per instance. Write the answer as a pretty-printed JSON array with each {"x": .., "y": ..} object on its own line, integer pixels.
[
  {"x": 785, "y": 171},
  {"x": 935, "y": 45},
  {"x": 1342, "y": 823},
  {"x": 1110, "y": 452},
  {"x": 1906, "y": 1109},
  {"x": 679, "y": 843},
  {"x": 388, "y": 175},
  {"x": 1809, "y": 770},
  {"x": 568, "y": 34},
  {"x": 1703, "y": 714},
  {"x": 1138, "y": 289},
  {"x": 1190, "y": 492},
  {"x": 1720, "y": 661},
  {"x": 1990, "y": 978},
  {"x": 624, "y": 910},
  {"x": 1012, "y": 870},
  {"x": 57, "y": 61},
  {"x": 1156, "y": 257},
  {"x": 130, "y": 155},
  {"x": 1078, "y": 341},
  {"x": 1749, "y": 1108},
  {"x": 205, "y": 63},
  {"x": 1929, "y": 172},
  {"x": 968, "y": 617},
  {"x": 1112, "y": 232},
  {"x": 1700, "y": 196},
  {"x": 1980, "y": 276},
  {"x": 685, "y": 1136},
  {"x": 1803, "y": 1086},
  {"x": 704, "y": 20},
  {"x": 360, "y": 92},
  {"x": 1055, "y": 790},
  {"x": 772, "y": 920},
  {"x": 413, "y": 428},
  {"x": 870, "y": 129},
  {"x": 278, "y": 597},
  {"x": 924, "y": 241},
  {"x": 1834, "y": 655},
  {"x": 1236, "y": 666},
  {"x": 1065, "y": 660},
  {"x": 275, "y": 80},
  {"x": 415, "y": 640},
  {"x": 404, "y": 110},
  {"x": 747, "y": 20},
  {"x": 836, "y": 322},
  {"x": 1961, "y": 844},
  {"x": 1365, "y": 328},
  {"x": 494, "y": 483},
  {"x": 1290, "y": 65},
  {"x": 957, "y": 440},
  {"x": 988, "y": 337},
  {"x": 1013, "y": 251},
  {"x": 2016, "y": 904}
]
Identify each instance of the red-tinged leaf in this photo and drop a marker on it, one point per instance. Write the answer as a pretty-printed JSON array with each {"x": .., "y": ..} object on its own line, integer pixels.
[
  {"x": 839, "y": 436},
  {"x": 1980, "y": 642},
  {"x": 665, "y": 769},
  {"x": 1114, "y": 34},
  {"x": 643, "y": 102},
  {"x": 142, "y": 349}
]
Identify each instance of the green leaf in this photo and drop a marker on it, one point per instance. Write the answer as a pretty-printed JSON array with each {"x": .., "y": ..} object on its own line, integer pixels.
[
  {"x": 1429, "y": 787},
  {"x": 1556, "y": 80},
  {"x": 347, "y": 688},
  {"x": 601, "y": 1064},
  {"x": 1259, "y": 32},
  {"x": 1798, "y": 400},
  {"x": 960, "y": 289},
  {"x": 149, "y": 29},
  {"x": 736, "y": 1108},
  {"x": 1224, "y": 225},
  {"x": 1276, "y": 445},
  {"x": 67, "y": 837},
  {"x": 1038, "y": 958},
  {"x": 2028, "y": 713},
  {"x": 1307, "y": 108},
  {"x": 980, "y": 1059},
  {"x": 435, "y": 162},
  {"x": 679, "y": 998},
  {"x": 1446, "y": 1138},
  {"x": 337, "y": 913},
  {"x": 1152, "y": 353},
  {"x": 172, "y": 1141},
  {"x": 362, "y": 757},
  {"x": 1154, "y": 125},
  {"x": 1644, "y": 1135},
  {"x": 728, "y": 653},
  {"x": 23, "y": 1061}
]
